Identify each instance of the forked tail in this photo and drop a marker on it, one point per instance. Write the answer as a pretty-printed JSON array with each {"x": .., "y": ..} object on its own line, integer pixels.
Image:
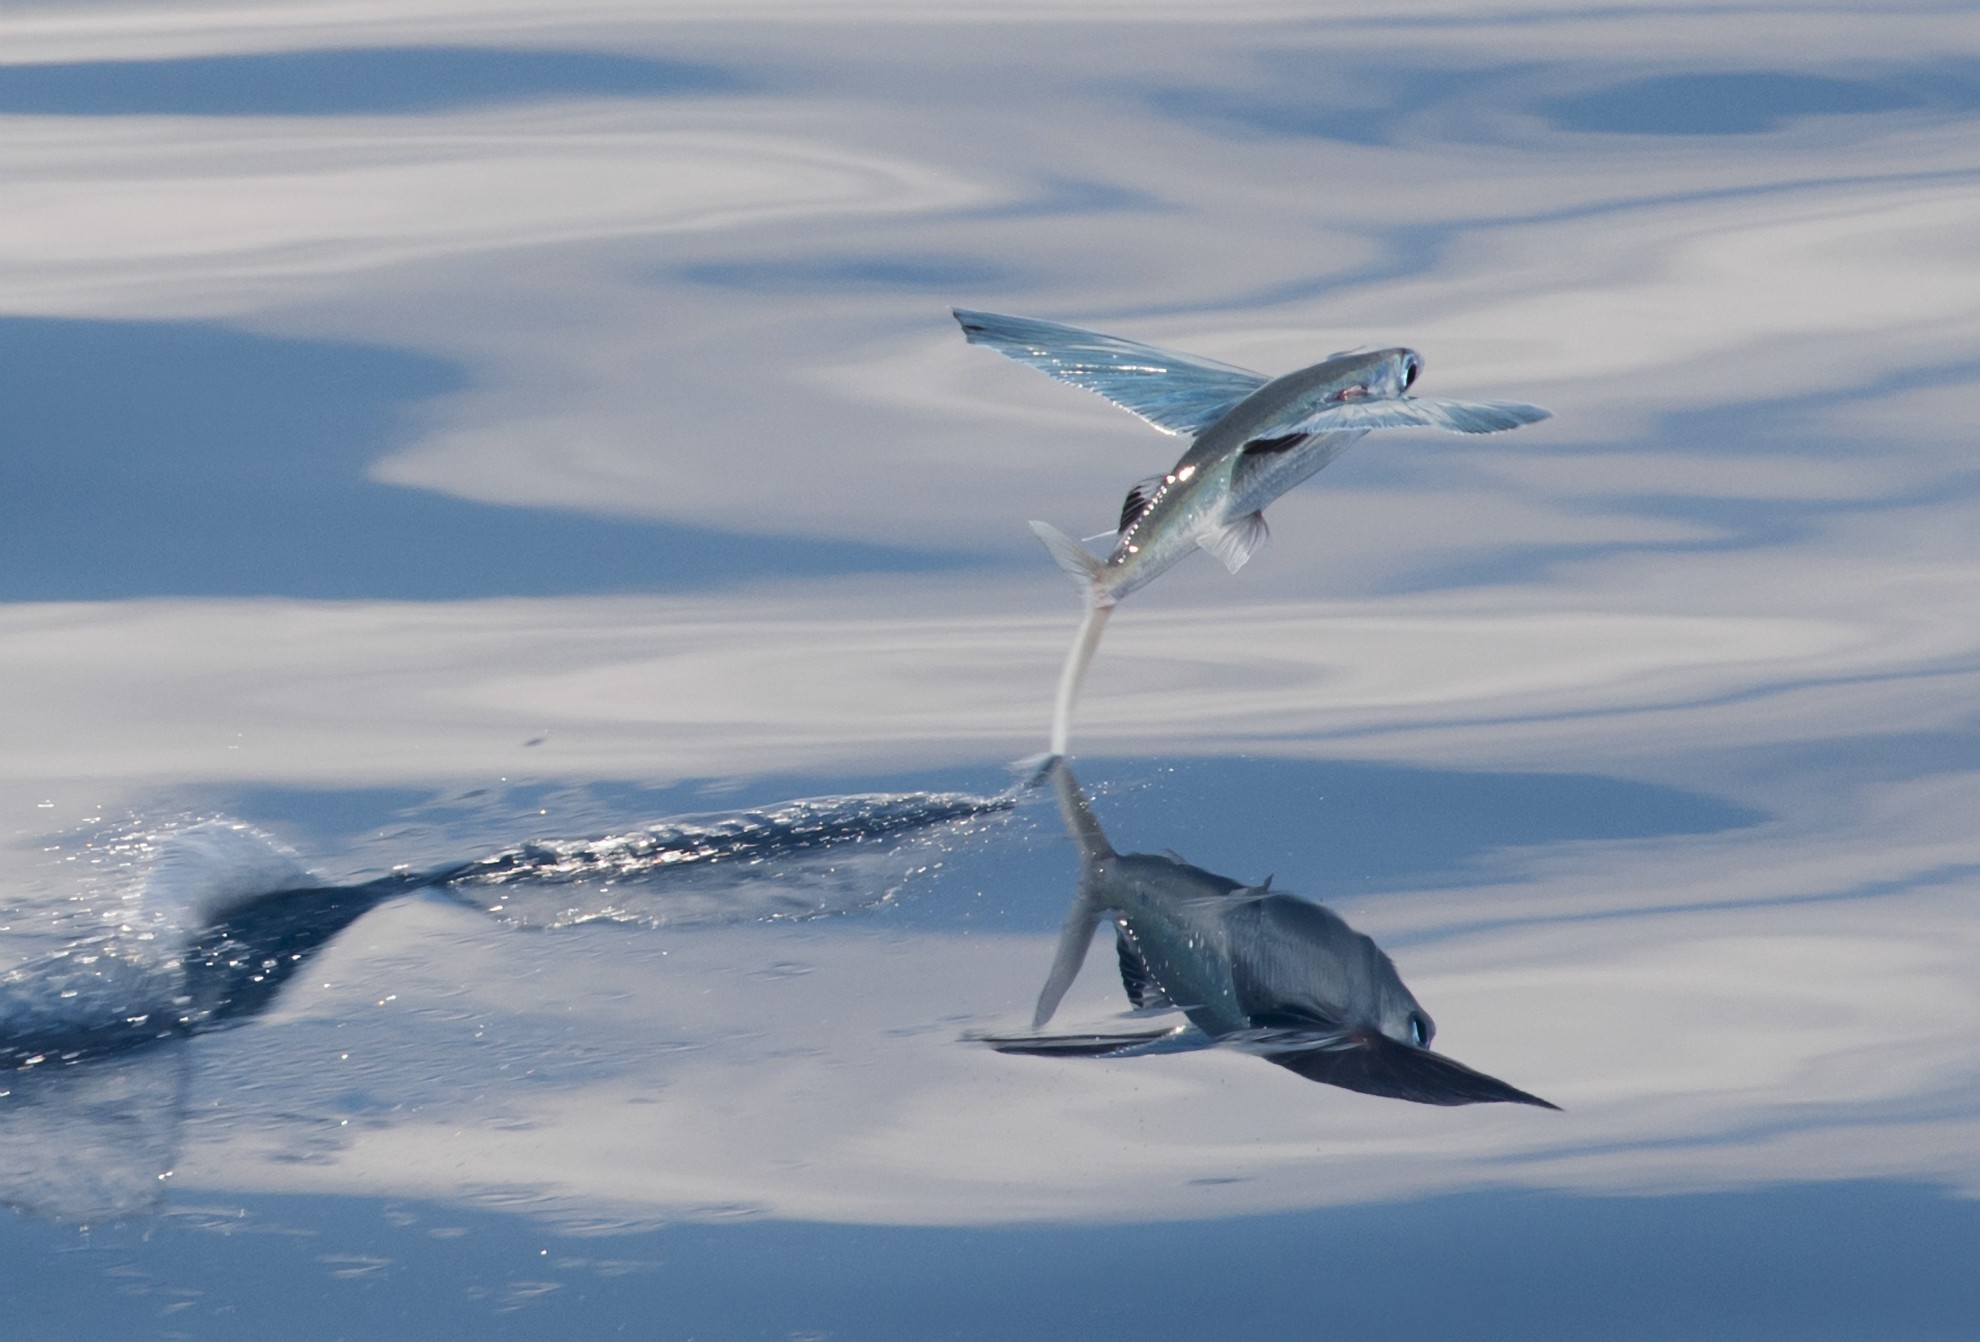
[{"x": 1086, "y": 569}]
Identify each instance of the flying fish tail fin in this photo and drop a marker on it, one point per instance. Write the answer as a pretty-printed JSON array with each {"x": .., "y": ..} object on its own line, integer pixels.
[{"x": 1074, "y": 558}]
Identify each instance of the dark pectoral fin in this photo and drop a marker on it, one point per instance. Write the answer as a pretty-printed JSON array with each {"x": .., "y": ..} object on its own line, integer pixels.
[{"x": 1374, "y": 1064}]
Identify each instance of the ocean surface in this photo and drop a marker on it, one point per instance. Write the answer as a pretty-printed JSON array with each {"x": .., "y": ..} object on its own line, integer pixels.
[{"x": 525, "y": 669}]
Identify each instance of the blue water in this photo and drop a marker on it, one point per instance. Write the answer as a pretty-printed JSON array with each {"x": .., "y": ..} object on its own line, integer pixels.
[
  {"x": 391, "y": 80},
  {"x": 1335, "y": 98},
  {"x": 1827, "y": 1261},
  {"x": 189, "y": 459},
  {"x": 1734, "y": 103},
  {"x": 1345, "y": 105},
  {"x": 1712, "y": 897},
  {"x": 1344, "y": 826}
]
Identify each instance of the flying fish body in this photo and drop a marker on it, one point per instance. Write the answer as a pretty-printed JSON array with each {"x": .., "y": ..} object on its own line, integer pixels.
[{"x": 1254, "y": 438}]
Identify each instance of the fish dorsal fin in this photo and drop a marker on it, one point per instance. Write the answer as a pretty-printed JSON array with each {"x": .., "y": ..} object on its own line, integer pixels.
[
  {"x": 1140, "y": 496},
  {"x": 1142, "y": 989},
  {"x": 1236, "y": 542},
  {"x": 1177, "y": 393}
]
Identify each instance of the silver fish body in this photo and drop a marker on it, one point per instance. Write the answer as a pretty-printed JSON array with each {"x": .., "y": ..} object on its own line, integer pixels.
[
  {"x": 1253, "y": 437},
  {"x": 1238, "y": 465}
]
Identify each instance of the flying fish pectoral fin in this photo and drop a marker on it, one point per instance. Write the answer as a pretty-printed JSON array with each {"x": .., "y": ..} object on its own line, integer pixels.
[
  {"x": 1236, "y": 542},
  {"x": 1421, "y": 412},
  {"x": 1374, "y": 1064},
  {"x": 1177, "y": 393},
  {"x": 1099, "y": 1043}
]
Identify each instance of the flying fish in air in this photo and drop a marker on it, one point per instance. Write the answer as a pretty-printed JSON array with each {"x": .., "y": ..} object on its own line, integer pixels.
[{"x": 1254, "y": 438}]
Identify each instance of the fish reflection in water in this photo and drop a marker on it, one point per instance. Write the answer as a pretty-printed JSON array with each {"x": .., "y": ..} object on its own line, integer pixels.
[
  {"x": 1253, "y": 438},
  {"x": 93, "y": 1084},
  {"x": 1249, "y": 968}
]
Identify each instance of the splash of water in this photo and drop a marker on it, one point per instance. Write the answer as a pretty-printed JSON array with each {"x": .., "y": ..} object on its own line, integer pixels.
[
  {"x": 192, "y": 927},
  {"x": 813, "y": 858}
]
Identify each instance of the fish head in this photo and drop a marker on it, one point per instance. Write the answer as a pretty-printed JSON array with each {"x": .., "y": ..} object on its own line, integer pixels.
[
  {"x": 1397, "y": 1013},
  {"x": 1408, "y": 1023},
  {"x": 1343, "y": 379},
  {"x": 1381, "y": 374}
]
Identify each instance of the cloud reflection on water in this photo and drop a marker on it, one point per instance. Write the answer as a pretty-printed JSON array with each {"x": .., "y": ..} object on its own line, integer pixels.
[
  {"x": 188, "y": 459},
  {"x": 1731, "y": 326},
  {"x": 1693, "y": 1047}
]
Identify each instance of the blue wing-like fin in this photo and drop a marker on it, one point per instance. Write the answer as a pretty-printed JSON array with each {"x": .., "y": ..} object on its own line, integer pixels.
[
  {"x": 1099, "y": 1043},
  {"x": 1421, "y": 412},
  {"x": 1362, "y": 1060},
  {"x": 1177, "y": 393}
]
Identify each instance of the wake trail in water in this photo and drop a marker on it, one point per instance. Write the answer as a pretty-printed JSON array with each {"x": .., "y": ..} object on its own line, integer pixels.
[
  {"x": 170, "y": 931},
  {"x": 810, "y": 858},
  {"x": 202, "y": 925}
]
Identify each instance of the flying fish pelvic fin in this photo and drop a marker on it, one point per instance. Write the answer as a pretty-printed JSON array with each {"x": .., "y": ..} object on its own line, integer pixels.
[{"x": 1237, "y": 541}]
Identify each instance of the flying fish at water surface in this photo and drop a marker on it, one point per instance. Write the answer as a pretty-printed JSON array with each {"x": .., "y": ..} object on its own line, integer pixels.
[{"x": 1254, "y": 438}]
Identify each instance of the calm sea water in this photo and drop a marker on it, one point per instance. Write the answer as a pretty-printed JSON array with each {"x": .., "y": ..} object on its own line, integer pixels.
[{"x": 518, "y": 623}]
